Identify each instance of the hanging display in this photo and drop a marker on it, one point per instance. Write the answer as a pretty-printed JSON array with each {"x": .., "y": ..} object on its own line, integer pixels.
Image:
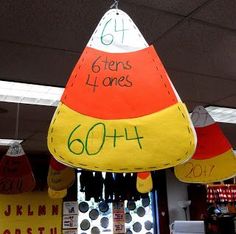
[
  {"x": 119, "y": 111},
  {"x": 16, "y": 175},
  {"x": 60, "y": 176},
  {"x": 144, "y": 182},
  {"x": 214, "y": 159}
]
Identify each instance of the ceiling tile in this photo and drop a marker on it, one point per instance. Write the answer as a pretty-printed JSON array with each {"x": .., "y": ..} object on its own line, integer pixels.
[
  {"x": 33, "y": 125},
  {"x": 36, "y": 145},
  {"x": 184, "y": 85},
  {"x": 219, "y": 12},
  {"x": 211, "y": 90},
  {"x": 35, "y": 65},
  {"x": 198, "y": 48},
  {"x": 181, "y": 7},
  {"x": 154, "y": 25},
  {"x": 229, "y": 101},
  {"x": 194, "y": 88},
  {"x": 28, "y": 116},
  {"x": 57, "y": 24},
  {"x": 26, "y": 112}
]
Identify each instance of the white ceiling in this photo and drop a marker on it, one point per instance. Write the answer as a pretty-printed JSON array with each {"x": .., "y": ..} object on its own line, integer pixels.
[{"x": 40, "y": 42}]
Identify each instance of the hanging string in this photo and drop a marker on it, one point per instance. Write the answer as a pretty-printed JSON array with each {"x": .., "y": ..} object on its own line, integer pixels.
[
  {"x": 17, "y": 121},
  {"x": 115, "y": 4},
  {"x": 14, "y": 148}
]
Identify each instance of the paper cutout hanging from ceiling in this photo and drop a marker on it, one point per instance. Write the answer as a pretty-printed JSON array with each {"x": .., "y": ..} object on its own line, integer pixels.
[
  {"x": 16, "y": 174},
  {"x": 214, "y": 159},
  {"x": 119, "y": 111},
  {"x": 60, "y": 176},
  {"x": 144, "y": 182}
]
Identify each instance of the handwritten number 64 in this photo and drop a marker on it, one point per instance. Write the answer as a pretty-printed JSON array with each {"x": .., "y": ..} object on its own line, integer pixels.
[{"x": 108, "y": 38}]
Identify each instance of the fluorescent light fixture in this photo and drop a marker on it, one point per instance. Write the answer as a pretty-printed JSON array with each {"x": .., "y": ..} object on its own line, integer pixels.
[
  {"x": 8, "y": 142},
  {"x": 30, "y": 93},
  {"x": 222, "y": 114}
]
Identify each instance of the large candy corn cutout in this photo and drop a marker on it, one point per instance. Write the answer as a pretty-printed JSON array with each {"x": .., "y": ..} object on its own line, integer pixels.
[
  {"x": 214, "y": 159},
  {"x": 119, "y": 111},
  {"x": 16, "y": 174}
]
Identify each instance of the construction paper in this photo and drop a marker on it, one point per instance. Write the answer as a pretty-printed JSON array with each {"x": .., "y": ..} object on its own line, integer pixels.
[
  {"x": 144, "y": 182},
  {"x": 150, "y": 146},
  {"x": 119, "y": 111},
  {"x": 16, "y": 174},
  {"x": 127, "y": 81},
  {"x": 214, "y": 159},
  {"x": 30, "y": 213},
  {"x": 60, "y": 176},
  {"x": 214, "y": 134}
]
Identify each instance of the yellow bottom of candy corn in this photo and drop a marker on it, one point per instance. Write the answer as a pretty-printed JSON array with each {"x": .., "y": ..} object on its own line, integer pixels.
[
  {"x": 210, "y": 170},
  {"x": 159, "y": 140}
]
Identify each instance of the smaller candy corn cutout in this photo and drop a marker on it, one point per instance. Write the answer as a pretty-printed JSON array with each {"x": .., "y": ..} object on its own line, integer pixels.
[
  {"x": 60, "y": 176},
  {"x": 214, "y": 159},
  {"x": 16, "y": 174},
  {"x": 144, "y": 182}
]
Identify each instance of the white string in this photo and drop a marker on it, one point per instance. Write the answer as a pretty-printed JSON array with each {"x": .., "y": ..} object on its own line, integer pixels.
[
  {"x": 115, "y": 4},
  {"x": 17, "y": 121}
]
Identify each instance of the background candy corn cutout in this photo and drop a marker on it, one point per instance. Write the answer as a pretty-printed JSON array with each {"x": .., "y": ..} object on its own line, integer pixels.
[
  {"x": 60, "y": 176},
  {"x": 144, "y": 182},
  {"x": 214, "y": 159},
  {"x": 16, "y": 174},
  {"x": 119, "y": 111}
]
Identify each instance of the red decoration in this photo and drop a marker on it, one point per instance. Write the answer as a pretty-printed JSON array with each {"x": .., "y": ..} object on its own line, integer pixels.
[
  {"x": 221, "y": 193},
  {"x": 16, "y": 174}
]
